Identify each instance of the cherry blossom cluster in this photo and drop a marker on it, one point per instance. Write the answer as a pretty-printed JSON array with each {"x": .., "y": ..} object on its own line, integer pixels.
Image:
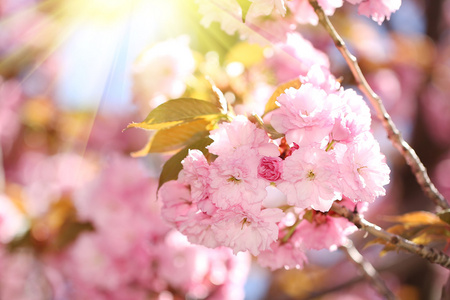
[{"x": 272, "y": 197}]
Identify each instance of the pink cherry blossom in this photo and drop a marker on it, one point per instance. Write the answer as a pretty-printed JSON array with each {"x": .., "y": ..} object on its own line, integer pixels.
[
  {"x": 363, "y": 169},
  {"x": 302, "y": 119},
  {"x": 310, "y": 178},
  {"x": 176, "y": 202},
  {"x": 270, "y": 168},
  {"x": 357, "y": 104},
  {"x": 275, "y": 198},
  {"x": 242, "y": 231},
  {"x": 351, "y": 118},
  {"x": 234, "y": 180},
  {"x": 198, "y": 229},
  {"x": 195, "y": 173},
  {"x": 241, "y": 132},
  {"x": 347, "y": 127},
  {"x": 320, "y": 76}
]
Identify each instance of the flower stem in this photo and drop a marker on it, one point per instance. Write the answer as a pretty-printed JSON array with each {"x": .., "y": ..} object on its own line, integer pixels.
[{"x": 290, "y": 232}]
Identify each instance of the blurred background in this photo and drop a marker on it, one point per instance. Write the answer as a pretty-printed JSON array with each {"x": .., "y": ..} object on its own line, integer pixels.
[{"x": 79, "y": 217}]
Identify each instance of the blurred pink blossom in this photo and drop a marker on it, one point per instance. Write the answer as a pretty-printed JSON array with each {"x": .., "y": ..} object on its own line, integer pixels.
[
  {"x": 379, "y": 10},
  {"x": 160, "y": 73},
  {"x": 11, "y": 99},
  {"x": 304, "y": 12},
  {"x": 295, "y": 57},
  {"x": 227, "y": 12}
]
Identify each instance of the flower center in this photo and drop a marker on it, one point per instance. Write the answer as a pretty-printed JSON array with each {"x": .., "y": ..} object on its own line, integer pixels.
[
  {"x": 234, "y": 179},
  {"x": 360, "y": 168},
  {"x": 310, "y": 175},
  {"x": 244, "y": 221}
]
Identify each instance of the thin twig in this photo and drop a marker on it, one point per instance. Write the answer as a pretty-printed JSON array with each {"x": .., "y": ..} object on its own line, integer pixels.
[
  {"x": 394, "y": 135},
  {"x": 367, "y": 270},
  {"x": 431, "y": 254}
]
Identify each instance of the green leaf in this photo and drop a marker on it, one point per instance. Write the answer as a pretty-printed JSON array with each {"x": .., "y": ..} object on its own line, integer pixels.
[
  {"x": 173, "y": 166},
  {"x": 173, "y": 138},
  {"x": 178, "y": 111},
  {"x": 271, "y": 104}
]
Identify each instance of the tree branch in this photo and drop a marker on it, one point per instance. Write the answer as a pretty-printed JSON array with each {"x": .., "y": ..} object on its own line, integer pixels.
[
  {"x": 394, "y": 135},
  {"x": 431, "y": 254},
  {"x": 367, "y": 270}
]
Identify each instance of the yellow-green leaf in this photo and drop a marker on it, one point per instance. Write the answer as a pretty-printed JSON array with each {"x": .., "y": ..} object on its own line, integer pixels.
[
  {"x": 176, "y": 137},
  {"x": 379, "y": 241},
  {"x": 444, "y": 215},
  {"x": 272, "y": 132},
  {"x": 173, "y": 166},
  {"x": 415, "y": 218},
  {"x": 271, "y": 104},
  {"x": 388, "y": 248},
  {"x": 219, "y": 97},
  {"x": 308, "y": 215},
  {"x": 426, "y": 238},
  {"x": 245, "y": 5},
  {"x": 267, "y": 127},
  {"x": 178, "y": 111}
]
